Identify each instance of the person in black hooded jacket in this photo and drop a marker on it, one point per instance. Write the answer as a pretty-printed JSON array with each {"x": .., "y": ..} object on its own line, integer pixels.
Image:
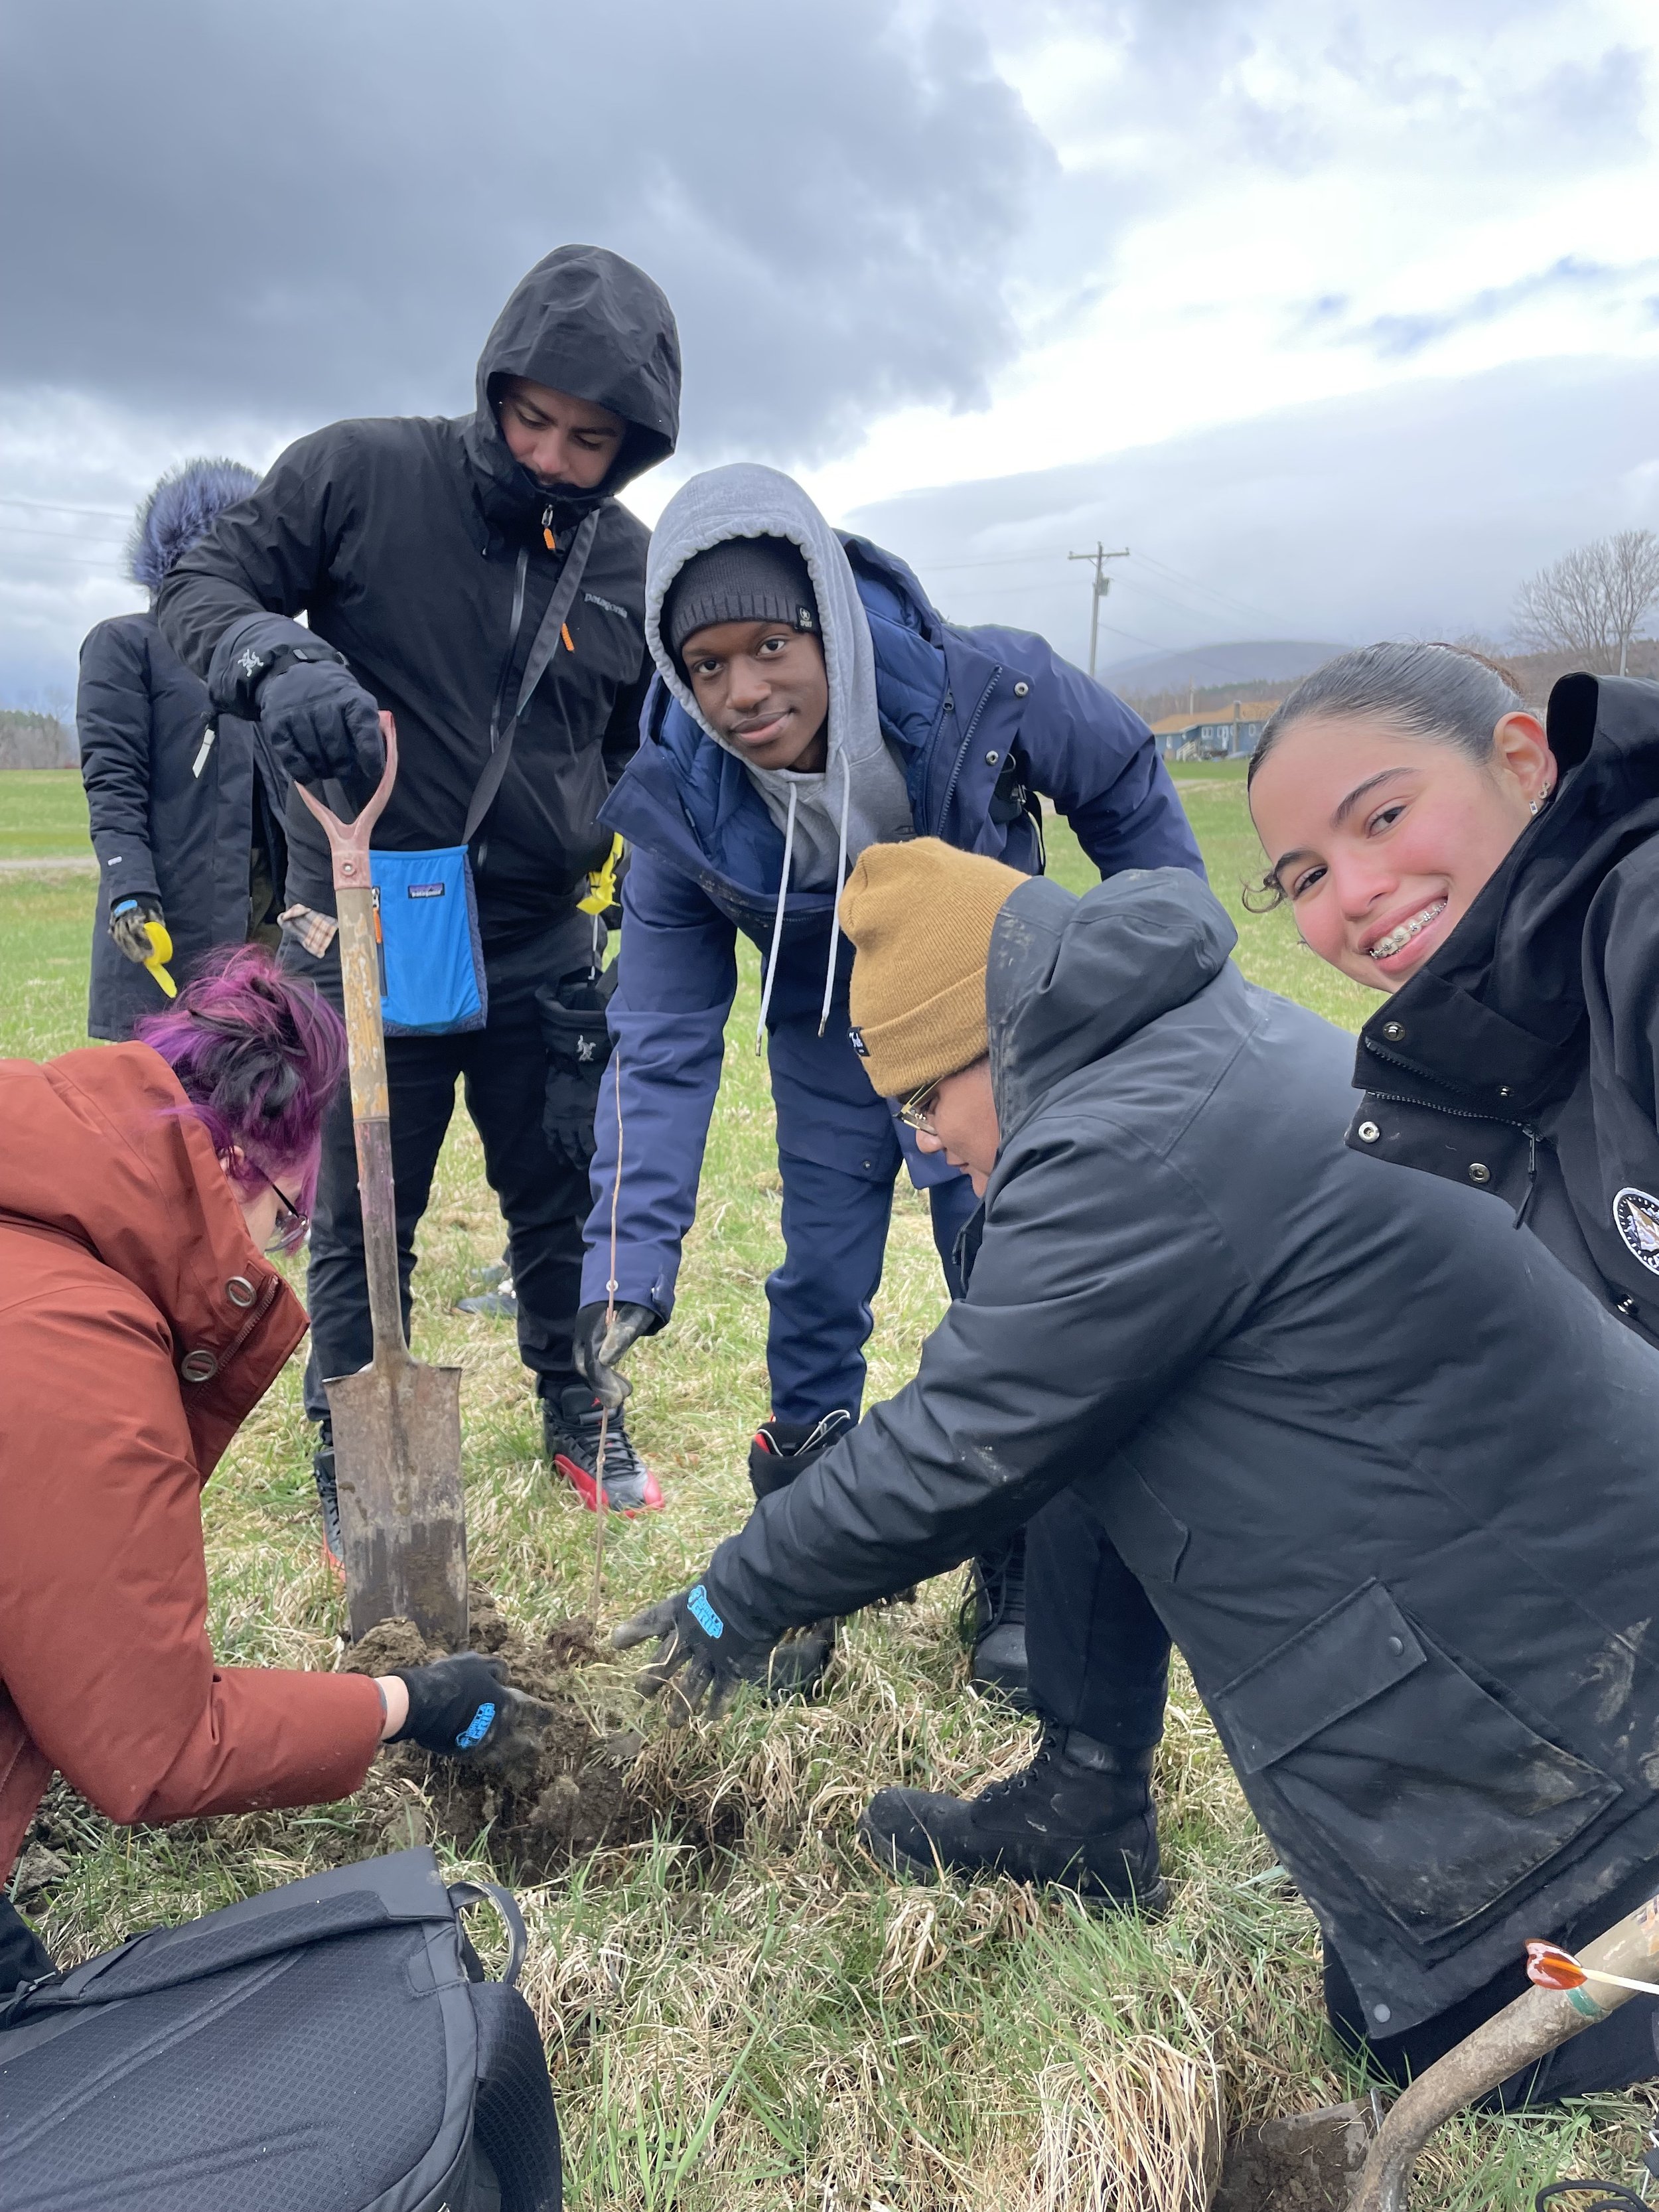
[
  {"x": 1498, "y": 877},
  {"x": 424, "y": 553},
  {"x": 1321, "y": 1418},
  {"x": 185, "y": 805}
]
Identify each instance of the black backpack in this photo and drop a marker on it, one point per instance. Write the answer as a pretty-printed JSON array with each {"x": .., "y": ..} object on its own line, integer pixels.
[{"x": 331, "y": 2046}]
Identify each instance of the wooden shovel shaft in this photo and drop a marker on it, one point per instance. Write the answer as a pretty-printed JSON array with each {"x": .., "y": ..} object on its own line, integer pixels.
[{"x": 371, "y": 1117}]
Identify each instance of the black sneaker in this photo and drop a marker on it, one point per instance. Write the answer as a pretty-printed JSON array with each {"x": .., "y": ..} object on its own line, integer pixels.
[
  {"x": 780, "y": 1450},
  {"x": 993, "y": 1620},
  {"x": 570, "y": 1429},
  {"x": 1080, "y": 1815},
  {"x": 328, "y": 1496}
]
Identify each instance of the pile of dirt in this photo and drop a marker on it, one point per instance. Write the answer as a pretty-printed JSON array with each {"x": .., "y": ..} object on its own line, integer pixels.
[
  {"x": 566, "y": 1791},
  {"x": 1311, "y": 2162}
]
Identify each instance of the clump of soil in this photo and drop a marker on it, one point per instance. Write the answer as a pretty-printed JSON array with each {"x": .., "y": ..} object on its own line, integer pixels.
[
  {"x": 1311, "y": 2162},
  {"x": 561, "y": 1789}
]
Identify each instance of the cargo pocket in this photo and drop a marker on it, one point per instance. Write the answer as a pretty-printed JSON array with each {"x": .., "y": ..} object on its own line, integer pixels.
[{"x": 1436, "y": 1797}]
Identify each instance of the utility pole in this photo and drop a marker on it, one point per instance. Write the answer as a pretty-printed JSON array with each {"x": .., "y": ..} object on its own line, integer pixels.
[{"x": 1102, "y": 584}]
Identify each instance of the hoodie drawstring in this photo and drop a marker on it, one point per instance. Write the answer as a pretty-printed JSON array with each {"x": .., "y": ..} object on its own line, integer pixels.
[
  {"x": 840, "y": 878},
  {"x": 777, "y": 925}
]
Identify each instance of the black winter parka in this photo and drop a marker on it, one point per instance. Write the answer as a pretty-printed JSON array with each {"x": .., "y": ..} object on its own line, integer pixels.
[
  {"x": 1522, "y": 1058},
  {"x": 1384, "y": 1468},
  {"x": 406, "y": 542},
  {"x": 167, "y": 817}
]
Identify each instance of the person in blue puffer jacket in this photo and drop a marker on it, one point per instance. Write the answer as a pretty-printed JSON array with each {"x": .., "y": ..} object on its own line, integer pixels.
[{"x": 809, "y": 701}]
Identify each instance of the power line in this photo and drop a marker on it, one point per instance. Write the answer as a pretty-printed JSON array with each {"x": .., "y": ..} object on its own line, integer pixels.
[
  {"x": 1102, "y": 584},
  {"x": 57, "y": 506}
]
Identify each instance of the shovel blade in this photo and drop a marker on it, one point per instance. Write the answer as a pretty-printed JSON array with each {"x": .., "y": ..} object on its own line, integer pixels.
[{"x": 398, "y": 1468}]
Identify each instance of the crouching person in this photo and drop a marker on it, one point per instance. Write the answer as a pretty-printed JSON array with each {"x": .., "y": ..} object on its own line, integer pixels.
[
  {"x": 1381, "y": 1467},
  {"x": 141, "y": 1187}
]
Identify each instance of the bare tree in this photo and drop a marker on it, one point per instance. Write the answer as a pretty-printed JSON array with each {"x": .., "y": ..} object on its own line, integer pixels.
[{"x": 1592, "y": 599}]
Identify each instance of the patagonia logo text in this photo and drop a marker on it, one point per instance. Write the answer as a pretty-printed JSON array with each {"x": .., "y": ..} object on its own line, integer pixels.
[
  {"x": 703, "y": 1613},
  {"x": 426, "y": 891},
  {"x": 610, "y": 606}
]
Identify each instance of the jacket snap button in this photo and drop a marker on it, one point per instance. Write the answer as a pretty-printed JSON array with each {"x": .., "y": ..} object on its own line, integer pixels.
[
  {"x": 198, "y": 1367},
  {"x": 991, "y": 759},
  {"x": 1381, "y": 2013},
  {"x": 1503, "y": 1089},
  {"x": 1396, "y": 1644},
  {"x": 1020, "y": 690},
  {"x": 1394, "y": 1031},
  {"x": 1479, "y": 1171},
  {"x": 1368, "y": 1133},
  {"x": 239, "y": 1290}
]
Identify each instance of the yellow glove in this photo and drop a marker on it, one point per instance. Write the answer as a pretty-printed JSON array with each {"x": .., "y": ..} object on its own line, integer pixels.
[{"x": 601, "y": 884}]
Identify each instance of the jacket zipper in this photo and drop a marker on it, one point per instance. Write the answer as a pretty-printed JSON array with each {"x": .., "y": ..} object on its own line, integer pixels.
[
  {"x": 962, "y": 749},
  {"x": 1464, "y": 1114}
]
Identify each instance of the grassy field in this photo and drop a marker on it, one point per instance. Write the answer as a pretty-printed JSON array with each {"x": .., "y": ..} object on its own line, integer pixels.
[{"x": 775, "y": 2025}]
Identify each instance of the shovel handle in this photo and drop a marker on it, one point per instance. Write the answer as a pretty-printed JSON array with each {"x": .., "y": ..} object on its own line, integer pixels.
[{"x": 371, "y": 1110}]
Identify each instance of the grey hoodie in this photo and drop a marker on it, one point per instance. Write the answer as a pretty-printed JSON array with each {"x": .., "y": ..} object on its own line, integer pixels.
[{"x": 860, "y": 781}]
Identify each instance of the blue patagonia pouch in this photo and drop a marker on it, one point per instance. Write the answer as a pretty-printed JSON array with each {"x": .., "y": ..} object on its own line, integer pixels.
[{"x": 426, "y": 919}]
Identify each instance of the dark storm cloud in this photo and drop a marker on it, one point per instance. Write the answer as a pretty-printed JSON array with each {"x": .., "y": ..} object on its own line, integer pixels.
[
  {"x": 1411, "y": 512},
  {"x": 297, "y": 209}
]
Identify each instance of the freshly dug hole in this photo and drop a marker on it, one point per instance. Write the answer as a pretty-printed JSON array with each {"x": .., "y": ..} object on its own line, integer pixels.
[{"x": 570, "y": 1792}]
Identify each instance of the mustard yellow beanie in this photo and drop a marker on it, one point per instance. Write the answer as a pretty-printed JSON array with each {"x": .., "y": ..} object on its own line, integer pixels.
[{"x": 921, "y": 915}]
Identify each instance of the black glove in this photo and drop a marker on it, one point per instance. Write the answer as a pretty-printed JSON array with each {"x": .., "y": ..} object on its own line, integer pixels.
[
  {"x": 127, "y": 918},
  {"x": 596, "y": 1348},
  {"x": 695, "y": 1643},
  {"x": 455, "y": 1705},
  {"x": 578, "y": 1041},
  {"x": 320, "y": 722}
]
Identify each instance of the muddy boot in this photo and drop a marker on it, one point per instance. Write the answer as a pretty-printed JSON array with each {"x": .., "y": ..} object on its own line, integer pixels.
[
  {"x": 1080, "y": 1815},
  {"x": 993, "y": 1620},
  {"x": 328, "y": 1496},
  {"x": 780, "y": 1450},
  {"x": 570, "y": 1429}
]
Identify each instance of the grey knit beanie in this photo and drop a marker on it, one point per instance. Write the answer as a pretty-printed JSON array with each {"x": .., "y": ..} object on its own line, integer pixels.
[{"x": 739, "y": 579}]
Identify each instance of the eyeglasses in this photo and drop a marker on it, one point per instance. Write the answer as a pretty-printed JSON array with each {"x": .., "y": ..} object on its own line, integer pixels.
[
  {"x": 292, "y": 1221},
  {"x": 917, "y": 1110}
]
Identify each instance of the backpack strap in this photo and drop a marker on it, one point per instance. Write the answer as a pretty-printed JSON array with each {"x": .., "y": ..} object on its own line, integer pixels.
[
  {"x": 542, "y": 650},
  {"x": 463, "y": 1894}
]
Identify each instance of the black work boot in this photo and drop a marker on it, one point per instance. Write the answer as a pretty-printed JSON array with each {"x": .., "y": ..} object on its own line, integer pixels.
[
  {"x": 570, "y": 1431},
  {"x": 993, "y": 1620},
  {"x": 328, "y": 1496},
  {"x": 1080, "y": 1815},
  {"x": 780, "y": 1450}
]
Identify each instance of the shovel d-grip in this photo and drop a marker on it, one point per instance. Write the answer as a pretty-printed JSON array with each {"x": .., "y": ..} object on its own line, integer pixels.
[
  {"x": 396, "y": 1423},
  {"x": 1519, "y": 2035}
]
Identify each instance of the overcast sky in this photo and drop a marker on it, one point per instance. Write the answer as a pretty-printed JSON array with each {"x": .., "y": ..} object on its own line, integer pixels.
[{"x": 1342, "y": 320}]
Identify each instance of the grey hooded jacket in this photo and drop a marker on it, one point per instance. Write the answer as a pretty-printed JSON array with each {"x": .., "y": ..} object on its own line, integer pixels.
[{"x": 1383, "y": 1466}]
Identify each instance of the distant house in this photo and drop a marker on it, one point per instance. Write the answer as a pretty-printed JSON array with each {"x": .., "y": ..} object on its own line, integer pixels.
[{"x": 1212, "y": 734}]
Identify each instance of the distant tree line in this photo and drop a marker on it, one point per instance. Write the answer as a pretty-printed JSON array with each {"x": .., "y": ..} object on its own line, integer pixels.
[{"x": 31, "y": 739}]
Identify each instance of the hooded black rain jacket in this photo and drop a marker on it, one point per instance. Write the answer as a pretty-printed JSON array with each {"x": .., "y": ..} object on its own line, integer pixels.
[
  {"x": 1522, "y": 1058},
  {"x": 401, "y": 541},
  {"x": 1328, "y": 1417}
]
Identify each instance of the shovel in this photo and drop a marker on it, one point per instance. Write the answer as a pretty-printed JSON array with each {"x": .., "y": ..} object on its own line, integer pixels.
[{"x": 396, "y": 1423}]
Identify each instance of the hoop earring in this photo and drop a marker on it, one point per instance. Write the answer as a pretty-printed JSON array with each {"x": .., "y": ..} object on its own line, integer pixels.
[{"x": 1541, "y": 801}]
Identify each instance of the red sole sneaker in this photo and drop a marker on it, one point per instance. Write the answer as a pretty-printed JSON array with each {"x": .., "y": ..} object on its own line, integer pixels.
[{"x": 588, "y": 1490}]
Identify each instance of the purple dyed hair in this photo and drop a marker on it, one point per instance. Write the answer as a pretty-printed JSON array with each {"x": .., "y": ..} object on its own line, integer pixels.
[{"x": 258, "y": 1055}]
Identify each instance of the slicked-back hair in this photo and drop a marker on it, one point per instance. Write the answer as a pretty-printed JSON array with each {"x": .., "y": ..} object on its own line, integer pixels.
[{"x": 1446, "y": 693}]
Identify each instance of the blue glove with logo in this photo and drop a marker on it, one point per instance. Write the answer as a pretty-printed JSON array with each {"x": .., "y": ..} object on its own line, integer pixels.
[
  {"x": 696, "y": 1646},
  {"x": 457, "y": 1706}
]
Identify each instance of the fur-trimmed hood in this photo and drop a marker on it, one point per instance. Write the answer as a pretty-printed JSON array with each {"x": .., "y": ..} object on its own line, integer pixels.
[{"x": 182, "y": 508}]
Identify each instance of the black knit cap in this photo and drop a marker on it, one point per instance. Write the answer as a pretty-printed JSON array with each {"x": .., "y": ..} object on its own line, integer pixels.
[{"x": 739, "y": 579}]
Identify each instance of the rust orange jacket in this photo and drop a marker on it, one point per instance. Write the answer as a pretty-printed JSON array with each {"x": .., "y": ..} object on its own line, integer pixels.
[{"x": 138, "y": 1328}]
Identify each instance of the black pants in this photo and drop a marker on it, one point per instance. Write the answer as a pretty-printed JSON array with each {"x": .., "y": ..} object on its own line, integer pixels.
[
  {"x": 23, "y": 1957},
  {"x": 544, "y": 1196},
  {"x": 1098, "y": 1658}
]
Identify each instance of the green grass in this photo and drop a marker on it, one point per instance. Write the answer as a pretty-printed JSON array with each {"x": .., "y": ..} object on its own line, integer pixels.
[
  {"x": 43, "y": 811},
  {"x": 777, "y": 2026}
]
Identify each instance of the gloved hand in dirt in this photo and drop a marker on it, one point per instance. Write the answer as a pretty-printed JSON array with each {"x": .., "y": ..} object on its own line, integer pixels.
[
  {"x": 696, "y": 1646},
  {"x": 127, "y": 918},
  {"x": 598, "y": 1345},
  {"x": 457, "y": 1707}
]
